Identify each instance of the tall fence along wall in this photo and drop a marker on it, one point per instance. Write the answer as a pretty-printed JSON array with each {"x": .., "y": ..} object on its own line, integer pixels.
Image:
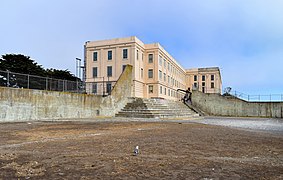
[
  {"x": 26, "y": 104},
  {"x": 215, "y": 104}
]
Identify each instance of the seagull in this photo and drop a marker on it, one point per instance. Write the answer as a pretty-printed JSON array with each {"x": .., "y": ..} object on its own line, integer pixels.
[{"x": 136, "y": 151}]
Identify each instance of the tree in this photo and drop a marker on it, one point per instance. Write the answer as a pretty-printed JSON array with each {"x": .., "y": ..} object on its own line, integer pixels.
[
  {"x": 18, "y": 63},
  {"x": 21, "y": 64},
  {"x": 61, "y": 74}
]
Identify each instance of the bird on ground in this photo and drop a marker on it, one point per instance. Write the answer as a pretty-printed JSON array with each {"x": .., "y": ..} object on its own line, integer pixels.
[{"x": 136, "y": 151}]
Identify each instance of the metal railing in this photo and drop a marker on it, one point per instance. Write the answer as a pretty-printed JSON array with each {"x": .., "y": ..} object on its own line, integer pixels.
[
  {"x": 257, "y": 98},
  {"x": 18, "y": 80},
  {"x": 102, "y": 86}
]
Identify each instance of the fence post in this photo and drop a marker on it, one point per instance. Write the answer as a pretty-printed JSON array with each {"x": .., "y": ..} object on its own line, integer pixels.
[
  {"x": 8, "y": 79},
  {"x": 46, "y": 83},
  {"x": 28, "y": 82}
]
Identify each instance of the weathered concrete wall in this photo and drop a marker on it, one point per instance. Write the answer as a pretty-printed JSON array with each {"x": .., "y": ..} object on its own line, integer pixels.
[
  {"x": 28, "y": 104},
  {"x": 215, "y": 104}
]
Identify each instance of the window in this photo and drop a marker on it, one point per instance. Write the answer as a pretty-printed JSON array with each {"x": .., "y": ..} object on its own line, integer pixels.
[
  {"x": 195, "y": 77},
  {"x": 108, "y": 88},
  {"x": 137, "y": 54},
  {"x": 203, "y": 77},
  {"x": 94, "y": 88},
  {"x": 168, "y": 79},
  {"x": 150, "y": 58},
  {"x": 160, "y": 61},
  {"x": 165, "y": 91},
  {"x": 203, "y": 87},
  {"x": 212, "y": 77},
  {"x": 160, "y": 75},
  {"x": 141, "y": 72},
  {"x": 109, "y": 71},
  {"x": 150, "y": 73},
  {"x": 160, "y": 89},
  {"x": 164, "y": 63},
  {"x": 150, "y": 89},
  {"x": 164, "y": 77},
  {"x": 123, "y": 67},
  {"x": 94, "y": 72},
  {"x": 212, "y": 85},
  {"x": 195, "y": 85},
  {"x": 168, "y": 92},
  {"x": 125, "y": 53},
  {"x": 94, "y": 56},
  {"x": 109, "y": 55}
]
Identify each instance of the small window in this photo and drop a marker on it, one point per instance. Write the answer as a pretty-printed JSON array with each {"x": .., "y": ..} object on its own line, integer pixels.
[
  {"x": 168, "y": 92},
  {"x": 165, "y": 91},
  {"x": 123, "y": 67},
  {"x": 137, "y": 54},
  {"x": 203, "y": 84},
  {"x": 203, "y": 77},
  {"x": 150, "y": 89},
  {"x": 164, "y": 77},
  {"x": 150, "y": 73},
  {"x": 164, "y": 63},
  {"x": 168, "y": 79},
  {"x": 141, "y": 72},
  {"x": 94, "y": 88},
  {"x": 108, "y": 88},
  {"x": 150, "y": 58},
  {"x": 160, "y": 89},
  {"x": 109, "y": 71},
  {"x": 125, "y": 53},
  {"x": 195, "y": 77},
  {"x": 160, "y": 61},
  {"x": 160, "y": 75},
  {"x": 195, "y": 85},
  {"x": 212, "y": 77},
  {"x": 94, "y": 56},
  {"x": 109, "y": 55},
  {"x": 94, "y": 72},
  {"x": 212, "y": 85}
]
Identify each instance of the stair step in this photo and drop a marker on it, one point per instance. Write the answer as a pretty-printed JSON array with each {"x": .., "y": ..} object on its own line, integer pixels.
[{"x": 153, "y": 108}]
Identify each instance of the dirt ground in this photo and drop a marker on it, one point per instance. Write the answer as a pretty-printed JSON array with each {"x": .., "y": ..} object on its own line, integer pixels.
[{"x": 168, "y": 150}]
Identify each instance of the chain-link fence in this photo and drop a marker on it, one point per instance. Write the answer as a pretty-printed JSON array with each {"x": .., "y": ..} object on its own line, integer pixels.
[
  {"x": 101, "y": 86},
  {"x": 256, "y": 98},
  {"x": 18, "y": 80}
]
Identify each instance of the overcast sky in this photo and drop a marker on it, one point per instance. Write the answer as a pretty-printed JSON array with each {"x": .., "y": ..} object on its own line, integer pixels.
[{"x": 243, "y": 37}]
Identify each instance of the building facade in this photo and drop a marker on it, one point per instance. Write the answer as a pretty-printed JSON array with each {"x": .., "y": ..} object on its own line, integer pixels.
[
  {"x": 156, "y": 74},
  {"x": 207, "y": 80}
]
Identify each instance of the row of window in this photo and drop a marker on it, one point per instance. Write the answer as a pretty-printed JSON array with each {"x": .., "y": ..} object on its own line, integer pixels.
[
  {"x": 203, "y": 77},
  {"x": 171, "y": 93},
  {"x": 109, "y": 55},
  {"x": 109, "y": 71},
  {"x": 169, "y": 66},
  {"x": 203, "y": 84}
]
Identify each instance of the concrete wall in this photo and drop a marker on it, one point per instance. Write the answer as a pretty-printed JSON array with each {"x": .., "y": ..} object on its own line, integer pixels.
[
  {"x": 27, "y": 104},
  {"x": 215, "y": 104}
]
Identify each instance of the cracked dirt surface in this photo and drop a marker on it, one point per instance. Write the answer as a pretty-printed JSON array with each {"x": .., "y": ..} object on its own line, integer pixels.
[{"x": 168, "y": 150}]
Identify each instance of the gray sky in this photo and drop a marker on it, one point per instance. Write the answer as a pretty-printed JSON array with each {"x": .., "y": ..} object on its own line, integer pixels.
[{"x": 243, "y": 37}]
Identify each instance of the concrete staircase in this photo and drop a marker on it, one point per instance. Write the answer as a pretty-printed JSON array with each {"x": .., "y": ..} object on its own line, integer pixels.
[{"x": 156, "y": 108}]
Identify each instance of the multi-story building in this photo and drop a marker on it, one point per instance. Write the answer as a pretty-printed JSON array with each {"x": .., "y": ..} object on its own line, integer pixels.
[
  {"x": 207, "y": 80},
  {"x": 155, "y": 72}
]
